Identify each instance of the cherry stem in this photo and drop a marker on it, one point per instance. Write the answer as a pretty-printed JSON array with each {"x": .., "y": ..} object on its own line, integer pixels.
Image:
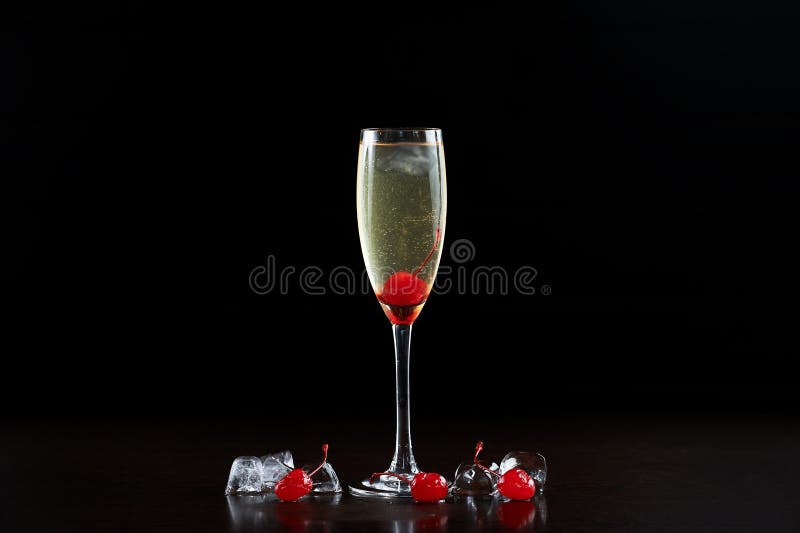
[
  {"x": 478, "y": 448},
  {"x": 324, "y": 460},
  {"x": 379, "y": 474},
  {"x": 430, "y": 254}
]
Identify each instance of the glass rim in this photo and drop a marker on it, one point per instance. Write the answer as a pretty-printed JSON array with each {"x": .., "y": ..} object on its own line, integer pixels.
[
  {"x": 401, "y": 129},
  {"x": 401, "y": 135}
]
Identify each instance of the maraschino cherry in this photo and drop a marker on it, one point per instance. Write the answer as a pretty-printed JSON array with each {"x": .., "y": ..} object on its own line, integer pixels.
[
  {"x": 516, "y": 484},
  {"x": 297, "y": 483},
  {"x": 425, "y": 486},
  {"x": 407, "y": 289},
  {"x": 404, "y": 289}
]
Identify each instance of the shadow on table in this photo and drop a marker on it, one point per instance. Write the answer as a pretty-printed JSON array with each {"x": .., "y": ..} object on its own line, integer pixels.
[{"x": 263, "y": 512}]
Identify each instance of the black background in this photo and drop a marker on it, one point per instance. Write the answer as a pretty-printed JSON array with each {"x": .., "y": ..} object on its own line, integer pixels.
[{"x": 642, "y": 157}]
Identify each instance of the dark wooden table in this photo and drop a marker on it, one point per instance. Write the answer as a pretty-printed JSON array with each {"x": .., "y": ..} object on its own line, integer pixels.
[{"x": 605, "y": 474}]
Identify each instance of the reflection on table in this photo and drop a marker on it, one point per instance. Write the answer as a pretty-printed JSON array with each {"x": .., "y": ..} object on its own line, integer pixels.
[{"x": 263, "y": 512}]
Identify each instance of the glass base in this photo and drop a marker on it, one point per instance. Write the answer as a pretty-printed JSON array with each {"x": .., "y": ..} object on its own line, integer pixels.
[{"x": 384, "y": 487}]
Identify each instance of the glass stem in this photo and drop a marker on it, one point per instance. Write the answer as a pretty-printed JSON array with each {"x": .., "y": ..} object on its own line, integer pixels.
[{"x": 403, "y": 461}]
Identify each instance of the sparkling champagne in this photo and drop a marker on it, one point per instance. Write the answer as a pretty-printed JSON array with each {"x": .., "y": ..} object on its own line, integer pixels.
[{"x": 401, "y": 202}]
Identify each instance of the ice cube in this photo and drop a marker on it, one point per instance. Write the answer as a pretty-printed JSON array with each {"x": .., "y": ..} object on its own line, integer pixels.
[
  {"x": 533, "y": 463},
  {"x": 247, "y": 475},
  {"x": 472, "y": 480},
  {"x": 284, "y": 457},
  {"x": 276, "y": 465},
  {"x": 409, "y": 159},
  {"x": 325, "y": 480}
]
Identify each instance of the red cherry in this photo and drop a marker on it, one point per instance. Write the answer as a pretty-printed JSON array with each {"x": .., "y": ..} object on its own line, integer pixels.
[
  {"x": 297, "y": 483},
  {"x": 293, "y": 485},
  {"x": 516, "y": 484},
  {"x": 428, "y": 487},
  {"x": 404, "y": 289},
  {"x": 425, "y": 486}
]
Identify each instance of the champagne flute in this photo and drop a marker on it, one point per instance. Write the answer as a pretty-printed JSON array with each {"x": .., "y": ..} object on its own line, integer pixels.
[{"x": 401, "y": 199}]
